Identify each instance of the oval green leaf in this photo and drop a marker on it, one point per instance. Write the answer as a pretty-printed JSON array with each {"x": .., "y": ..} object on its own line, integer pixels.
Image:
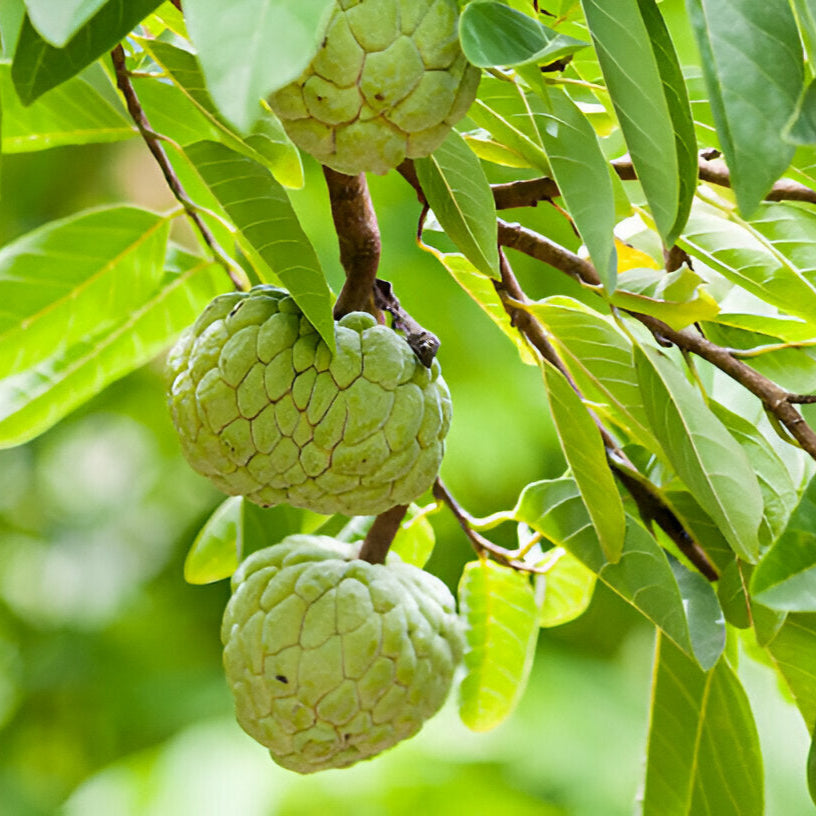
[{"x": 215, "y": 553}]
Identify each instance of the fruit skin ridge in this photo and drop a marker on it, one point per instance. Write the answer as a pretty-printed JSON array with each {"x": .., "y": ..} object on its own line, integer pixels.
[
  {"x": 332, "y": 659},
  {"x": 264, "y": 410},
  {"x": 388, "y": 83}
]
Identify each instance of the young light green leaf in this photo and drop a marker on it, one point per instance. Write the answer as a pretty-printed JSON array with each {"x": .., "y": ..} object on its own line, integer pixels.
[
  {"x": 38, "y": 397},
  {"x": 73, "y": 278},
  {"x": 642, "y": 577},
  {"x": 706, "y": 457},
  {"x": 704, "y": 754},
  {"x": 582, "y": 174},
  {"x": 250, "y": 48},
  {"x": 12, "y": 14},
  {"x": 649, "y": 96},
  {"x": 568, "y": 589},
  {"x": 584, "y": 451},
  {"x": 58, "y": 22},
  {"x": 74, "y": 113},
  {"x": 261, "y": 210},
  {"x": 751, "y": 105},
  {"x": 457, "y": 190},
  {"x": 785, "y": 578},
  {"x": 38, "y": 66},
  {"x": 415, "y": 539},
  {"x": 502, "y": 109},
  {"x": 649, "y": 291},
  {"x": 501, "y": 615},
  {"x": 599, "y": 357},
  {"x": 492, "y": 35},
  {"x": 267, "y": 143},
  {"x": 215, "y": 553}
]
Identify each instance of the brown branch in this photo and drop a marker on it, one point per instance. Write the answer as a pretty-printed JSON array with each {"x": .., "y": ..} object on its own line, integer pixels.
[
  {"x": 479, "y": 543},
  {"x": 177, "y": 4},
  {"x": 528, "y": 192},
  {"x": 152, "y": 140},
  {"x": 359, "y": 237},
  {"x": 424, "y": 343},
  {"x": 381, "y": 534},
  {"x": 801, "y": 399}
]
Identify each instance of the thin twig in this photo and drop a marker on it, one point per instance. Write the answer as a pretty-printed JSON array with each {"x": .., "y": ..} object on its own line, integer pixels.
[
  {"x": 359, "y": 237},
  {"x": 424, "y": 343},
  {"x": 479, "y": 543},
  {"x": 152, "y": 140},
  {"x": 381, "y": 534},
  {"x": 802, "y": 399}
]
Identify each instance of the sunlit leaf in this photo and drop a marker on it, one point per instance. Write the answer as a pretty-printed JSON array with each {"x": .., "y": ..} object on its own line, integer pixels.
[
  {"x": 261, "y": 210},
  {"x": 501, "y": 615},
  {"x": 457, "y": 190},
  {"x": 415, "y": 539},
  {"x": 58, "y": 22},
  {"x": 704, "y": 754},
  {"x": 568, "y": 590},
  {"x": 249, "y": 48},
  {"x": 705, "y": 456},
  {"x": 584, "y": 451},
  {"x": 215, "y": 553}
]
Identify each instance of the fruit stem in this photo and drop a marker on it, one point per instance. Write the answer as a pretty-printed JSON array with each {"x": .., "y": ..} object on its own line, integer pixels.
[
  {"x": 381, "y": 534},
  {"x": 359, "y": 237}
]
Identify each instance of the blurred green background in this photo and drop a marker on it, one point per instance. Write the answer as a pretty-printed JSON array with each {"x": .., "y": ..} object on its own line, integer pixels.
[{"x": 112, "y": 697}]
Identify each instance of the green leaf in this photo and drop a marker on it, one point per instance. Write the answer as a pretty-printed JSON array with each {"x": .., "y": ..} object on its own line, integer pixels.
[
  {"x": 38, "y": 66},
  {"x": 568, "y": 589},
  {"x": 785, "y": 578},
  {"x": 649, "y": 291},
  {"x": 493, "y": 34},
  {"x": 582, "y": 174},
  {"x": 70, "y": 279},
  {"x": 646, "y": 88},
  {"x": 811, "y": 768},
  {"x": 12, "y": 14},
  {"x": 457, "y": 190},
  {"x": 74, "y": 113},
  {"x": 792, "y": 651},
  {"x": 261, "y": 210},
  {"x": 415, "y": 539},
  {"x": 502, "y": 109},
  {"x": 704, "y": 754},
  {"x": 768, "y": 256},
  {"x": 216, "y": 551},
  {"x": 599, "y": 357},
  {"x": 585, "y": 453},
  {"x": 38, "y": 397},
  {"x": 643, "y": 577},
  {"x": 802, "y": 127},
  {"x": 267, "y": 143},
  {"x": 249, "y": 48},
  {"x": 751, "y": 105},
  {"x": 58, "y": 22},
  {"x": 501, "y": 615},
  {"x": 779, "y": 493},
  {"x": 480, "y": 288},
  {"x": 706, "y": 457}
]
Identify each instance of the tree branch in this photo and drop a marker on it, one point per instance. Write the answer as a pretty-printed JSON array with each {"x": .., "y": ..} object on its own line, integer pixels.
[
  {"x": 152, "y": 140},
  {"x": 359, "y": 237},
  {"x": 381, "y": 534}
]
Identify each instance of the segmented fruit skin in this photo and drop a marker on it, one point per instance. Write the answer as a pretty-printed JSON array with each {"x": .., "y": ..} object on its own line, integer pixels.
[
  {"x": 388, "y": 83},
  {"x": 265, "y": 410},
  {"x": 332, "y": 659}
]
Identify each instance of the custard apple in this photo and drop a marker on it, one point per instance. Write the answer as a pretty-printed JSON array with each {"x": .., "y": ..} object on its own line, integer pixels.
[
  {"x": 265, "y": 410},
  {"x": 388, "y": 82},
  {"x": 331, "y": 659}
]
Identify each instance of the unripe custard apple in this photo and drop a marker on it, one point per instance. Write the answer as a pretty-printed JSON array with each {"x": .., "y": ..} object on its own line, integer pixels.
[
  {"x": 332, "y": 659},
  {"x": 388, "y": 83},
  {"x": 265, "y": 410}
]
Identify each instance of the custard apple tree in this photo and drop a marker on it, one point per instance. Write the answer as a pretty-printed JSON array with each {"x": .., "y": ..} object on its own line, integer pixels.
[{"x": 657, "y": 268}]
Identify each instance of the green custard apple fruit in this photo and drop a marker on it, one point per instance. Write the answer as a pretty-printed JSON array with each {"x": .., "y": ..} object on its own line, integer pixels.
[
  {"x": 265, "y": 410},
  {"x": 388, "y": 83},
  {"x": 332, "y": 659}
]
